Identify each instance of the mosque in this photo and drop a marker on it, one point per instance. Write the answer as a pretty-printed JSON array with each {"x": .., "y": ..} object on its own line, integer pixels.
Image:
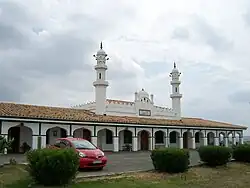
[{"x": 115, "y": 125}]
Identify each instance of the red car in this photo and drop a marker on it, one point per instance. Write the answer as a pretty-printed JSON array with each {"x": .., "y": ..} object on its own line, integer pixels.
[{"x": 90, "y": 155}]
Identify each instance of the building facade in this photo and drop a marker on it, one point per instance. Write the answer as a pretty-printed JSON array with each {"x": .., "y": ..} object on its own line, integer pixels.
[{"x": 115, "y": 125}]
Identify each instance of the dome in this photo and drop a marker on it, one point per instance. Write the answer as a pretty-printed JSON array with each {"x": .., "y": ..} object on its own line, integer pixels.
[
  {"x": 101, "y": 51},
  {"x": 143, "y": 93},
  {"x": 175, "y": 69}
]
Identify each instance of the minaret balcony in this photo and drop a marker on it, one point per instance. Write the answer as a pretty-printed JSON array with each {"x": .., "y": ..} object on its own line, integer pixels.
[
  {"x": 176, "y": 95},
  {"x": 101, "y": 67},
  {"x": 100, "y": 83},
  {"x": 175, "y": 82}
]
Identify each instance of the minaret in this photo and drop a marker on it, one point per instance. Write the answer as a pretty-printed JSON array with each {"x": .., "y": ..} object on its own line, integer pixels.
[
  {"x": 176, "y": 96},
  {"x": 100, "y": 84}
]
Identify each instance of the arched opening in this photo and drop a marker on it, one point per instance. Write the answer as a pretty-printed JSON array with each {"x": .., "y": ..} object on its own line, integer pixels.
[
  {"x": 82, "y": 133},
  {"x": 22, "y": 138},
  {"x": 143, "y": 140},
  {"x": 222, "y": 139},
  {"x": 238, "y": 138},
  {"x": 173, "y": 139},
  {"x": 105, "y": 140},
  {"x": 199, "y": 139},
  {"x": 125, "y": 140},
  {"x": 187, "y": 142},
  {"x": 210, "y": 138},
  {"x": 159, "y": 139},
  {"x": 53, "y": 133}
]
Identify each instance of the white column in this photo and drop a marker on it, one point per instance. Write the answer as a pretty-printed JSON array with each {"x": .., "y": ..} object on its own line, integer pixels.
[
  {"x": 226, "y": 141},
  {"x": 150, "y": 139},
  {"x": 94, "y": 140},
  {"x": 43, "y": 141},
  {"x": 216, "y": 141},
  {"x": 181, "y": 142},
  {"x": 34, "y": 142},
  {"x": 193, "y": 142},
  {"x": 241, "y": 140},
  {"x": 116, "y": 144},
  {"x": 166, "y": 142},
  {"x": 153, "y": 142},
  {"x": 204, "y": 141},
  {"x": 134, "y": 147}
]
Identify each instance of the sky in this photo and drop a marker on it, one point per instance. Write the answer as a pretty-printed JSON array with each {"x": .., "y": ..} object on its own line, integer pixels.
[{"x": 47, "y": 47}]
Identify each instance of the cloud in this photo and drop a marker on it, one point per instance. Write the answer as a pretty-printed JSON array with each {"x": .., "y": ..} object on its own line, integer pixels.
[{"x": 47, "y": 47}]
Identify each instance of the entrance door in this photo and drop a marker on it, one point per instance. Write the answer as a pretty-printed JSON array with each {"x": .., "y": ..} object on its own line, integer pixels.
[
  {"x": 14, "y": 133},
  {"x": 144, "y": 140}
]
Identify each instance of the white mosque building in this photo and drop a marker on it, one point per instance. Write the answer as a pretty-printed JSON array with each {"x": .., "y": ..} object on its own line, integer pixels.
[{"x": 115, "y": 125}]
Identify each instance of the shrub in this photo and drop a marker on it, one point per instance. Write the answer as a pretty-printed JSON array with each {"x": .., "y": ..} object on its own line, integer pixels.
[
  {"x": 52, "y": 166},
  {"x": 171, "y": 160},
  {"x": 242, "y": 153},
  {"x": 215, "y": 155}
]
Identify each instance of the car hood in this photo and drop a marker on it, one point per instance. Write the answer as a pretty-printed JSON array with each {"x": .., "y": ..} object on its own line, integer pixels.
[{"x": 90, "y": 153}]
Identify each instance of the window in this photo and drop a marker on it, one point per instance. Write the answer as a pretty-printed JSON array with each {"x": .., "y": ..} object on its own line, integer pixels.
[
  {"x": 109, "y": 137},
  {"x": 100, "y": 75},
  {"x": 127, "y": 137},
  {"x": 159, "y": 137},
  {"x": 172, "y": 137},
  {"x": 176, "y": 89},
  {"x": 197, "y": 137},
  {"x": 83, "y": 144}
]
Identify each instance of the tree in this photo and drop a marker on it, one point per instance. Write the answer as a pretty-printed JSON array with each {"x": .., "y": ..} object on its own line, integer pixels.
[{"x": 4, "y": 144}]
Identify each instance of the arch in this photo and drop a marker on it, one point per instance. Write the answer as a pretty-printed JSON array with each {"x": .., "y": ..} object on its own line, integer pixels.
[
  {"x": 210, "y": 138},
  {"x": 222, "y": 137},
  {"x": 22, "y": 138},
  {"x": 199, "y": 139},
  {"x": 125, "y": 140},
  {"x": 231, "y": 138},
  {"x": 187, "y": 135},
  {"x": 82, "y": 133},
  {"x": 143, "y": 140},
  {"x": 174, "y": 139},
  {"x": 105, "y": 139},
  {"x": 53, "y": 133}
]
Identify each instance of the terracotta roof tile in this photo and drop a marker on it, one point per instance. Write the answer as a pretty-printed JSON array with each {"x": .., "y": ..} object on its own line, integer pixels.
[{"x": 70, "y": 114}]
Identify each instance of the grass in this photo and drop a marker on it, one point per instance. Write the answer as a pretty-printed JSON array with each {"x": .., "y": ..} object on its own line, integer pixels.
[{"x": 234, "y": 175}]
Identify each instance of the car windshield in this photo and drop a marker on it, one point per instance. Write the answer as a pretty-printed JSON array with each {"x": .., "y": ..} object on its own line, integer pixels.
[{"x": 83, "y": 144}]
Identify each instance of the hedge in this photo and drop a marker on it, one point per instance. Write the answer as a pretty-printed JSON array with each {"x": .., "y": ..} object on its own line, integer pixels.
[
  {"x": 171, "y": 160},
  {"x": 241, "y": 153},
  {"x": 52, "y": 167},
  {"x": 215, "y": 155}
]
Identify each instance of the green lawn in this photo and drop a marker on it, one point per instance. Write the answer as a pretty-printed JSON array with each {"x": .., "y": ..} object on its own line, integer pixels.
[{"x": 235, "y": 175}]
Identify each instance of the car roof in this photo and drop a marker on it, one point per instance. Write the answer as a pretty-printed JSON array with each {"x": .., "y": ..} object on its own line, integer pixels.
[{"x": 71, "y": 138}]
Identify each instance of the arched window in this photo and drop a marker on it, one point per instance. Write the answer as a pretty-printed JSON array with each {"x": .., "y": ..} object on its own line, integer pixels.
[
  {"x": 100, "y": 75},
  {"x": 176, "y": 89}
]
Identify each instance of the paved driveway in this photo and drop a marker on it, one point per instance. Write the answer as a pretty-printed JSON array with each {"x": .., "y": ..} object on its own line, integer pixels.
[{"x": 118, "y": 162}]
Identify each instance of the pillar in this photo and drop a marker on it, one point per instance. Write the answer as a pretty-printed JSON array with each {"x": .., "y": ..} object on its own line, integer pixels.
[
  {"x": 153, "y": 142},
  {"x": 181, "y": 142},
  {"x": 43, "y": 141},
  {"x": 241, "y": 140},
  {"x": 116, "y": 144},
  {"x": 233, "y": 141},
  {"x": 193, "y": 146},
  {"x": 216, "y": 141},
  {"x": 135, "y": 142},
  {"x": 204, "y": 141},
  {"x": 150, "y": 141},
  {"x": 166, "y": 142},
  {"x": 34, "y": 142},
  {"x": 226, "y": 141}
]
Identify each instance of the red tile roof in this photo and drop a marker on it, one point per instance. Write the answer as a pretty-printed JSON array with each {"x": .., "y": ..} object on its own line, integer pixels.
[{"x": 15, "y": 110}]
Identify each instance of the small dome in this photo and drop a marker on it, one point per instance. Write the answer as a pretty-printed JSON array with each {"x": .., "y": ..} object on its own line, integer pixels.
[
  {"x": 175, "y": 69},
  {"x": 101, "y": 51},
  {"x": 143, "y": 93}
]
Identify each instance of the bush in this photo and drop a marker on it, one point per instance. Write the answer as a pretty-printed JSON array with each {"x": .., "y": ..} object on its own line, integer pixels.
[
  {"x": 242, "y": 153},
  {"x": 52, "y": 166},
  {"x": 215, "y": 155},
  {"x": 171, "y": 160}
]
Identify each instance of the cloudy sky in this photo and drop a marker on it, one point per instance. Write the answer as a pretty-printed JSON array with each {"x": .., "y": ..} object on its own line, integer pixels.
[{"x": 47, "y": 47}]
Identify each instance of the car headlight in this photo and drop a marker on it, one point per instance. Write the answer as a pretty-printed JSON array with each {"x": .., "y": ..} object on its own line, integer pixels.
[
  {"x": 82, "y": 154},
  {"x": 102, "y": 154}
]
